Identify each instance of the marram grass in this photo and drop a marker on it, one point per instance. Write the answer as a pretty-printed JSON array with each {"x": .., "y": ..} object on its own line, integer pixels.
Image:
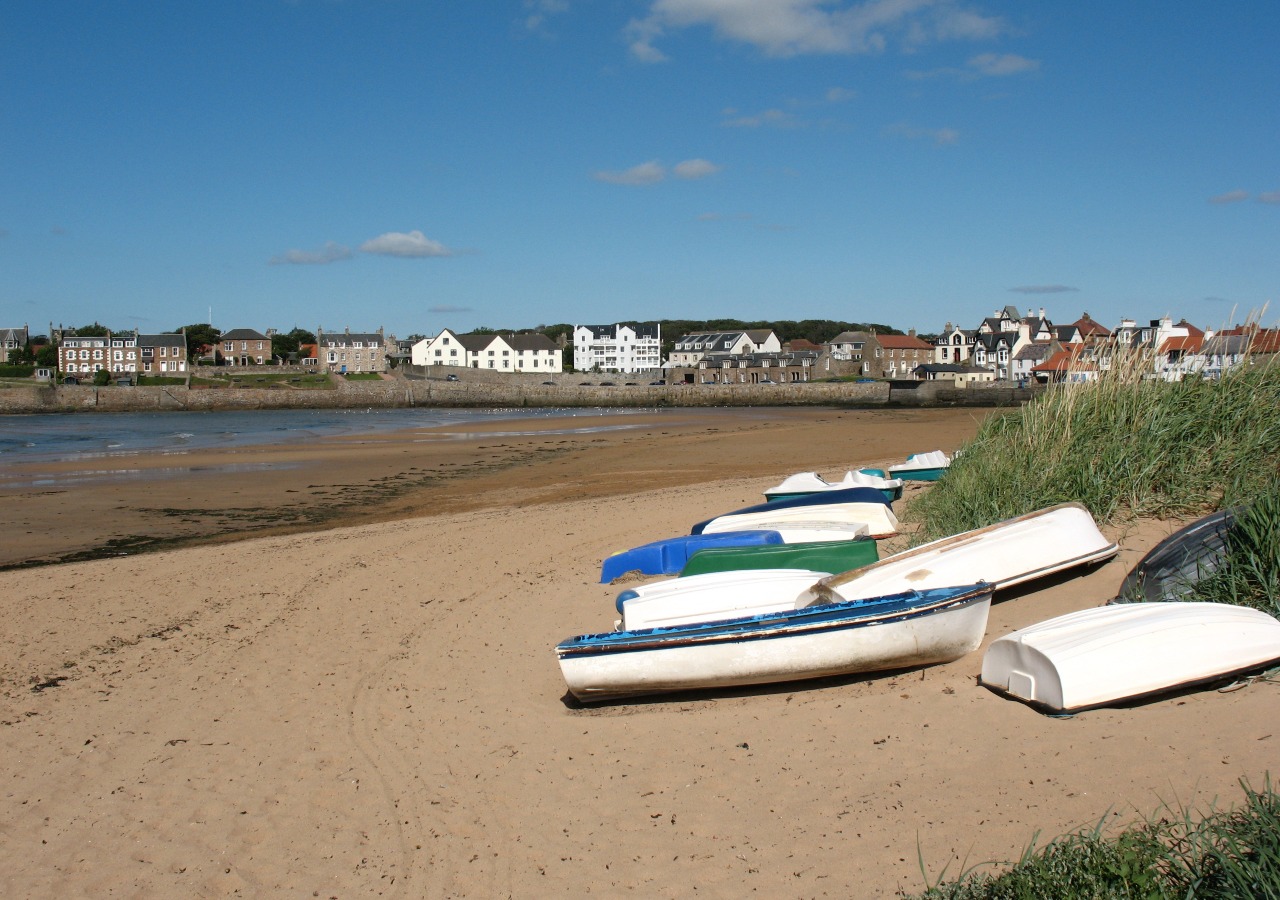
[
  {"x": 1124, "y": 446},
  {"x": 1233, "y": 853}
]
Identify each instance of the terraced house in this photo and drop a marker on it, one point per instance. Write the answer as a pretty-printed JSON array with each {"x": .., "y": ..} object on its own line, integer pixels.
[
  {"x": 123, "y": 354},
  {"x": 351, "y": 352},
  {"x": 534, "y": 353}
]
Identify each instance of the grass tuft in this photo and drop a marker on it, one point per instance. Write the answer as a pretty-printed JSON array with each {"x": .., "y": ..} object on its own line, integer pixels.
[{"x": 1223, "y": 854}]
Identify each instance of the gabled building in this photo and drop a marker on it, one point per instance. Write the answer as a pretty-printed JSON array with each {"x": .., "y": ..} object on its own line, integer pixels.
[
  {"x": 1091, "y": 332},
  {"x": 617, "y": 348},
  {"x": 245, "y": 347},
  {"x": 162, "y": 354},
  {"x": 881, "y": 355},
  {"x": 13, "y": 339},
  {"x": 351, "y": 352},
  {"x": 953, "y": 345},
  {"x": 693, "y": 347},
  {"x": 1031, "y": 355},
  {"x": 504, "y": 353},
  {"x": 994, "y": 350}
]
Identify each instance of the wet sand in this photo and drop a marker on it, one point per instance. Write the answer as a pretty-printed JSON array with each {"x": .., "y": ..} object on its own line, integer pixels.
[{"x": 376, "y": 710}]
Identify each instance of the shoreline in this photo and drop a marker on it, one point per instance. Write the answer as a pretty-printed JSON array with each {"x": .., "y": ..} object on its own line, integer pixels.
[{"x": 155, "y": 501}]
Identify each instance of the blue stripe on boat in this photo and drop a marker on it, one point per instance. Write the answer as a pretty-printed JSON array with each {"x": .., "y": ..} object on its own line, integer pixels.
[{"x": 766, "y": 626}]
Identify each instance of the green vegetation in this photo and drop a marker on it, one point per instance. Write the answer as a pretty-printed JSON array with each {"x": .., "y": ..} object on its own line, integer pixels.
[
  {"x": 362, "y": 376},
  {"x": 1249, "y": 574},
  {"x": 1223, "y": 854},
  {"x": 284, "y": 380},
  {"x": 159, "y": 380},
  {"x": 17, "y": 371},
  {"x": 1124, "y": 446}
]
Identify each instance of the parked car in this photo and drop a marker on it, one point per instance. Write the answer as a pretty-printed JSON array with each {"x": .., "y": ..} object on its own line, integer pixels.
[
  {"x": 451, "y": 378},
  {"x": 659, "y": 381},
  {"x": 607, "y": 384}
]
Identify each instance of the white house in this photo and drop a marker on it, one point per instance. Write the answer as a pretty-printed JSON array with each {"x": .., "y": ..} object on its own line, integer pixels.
[
  {"x": 505, "y": 353},
  {"x": 691, "y": 348},
  {"x": 617, "y": 348}
]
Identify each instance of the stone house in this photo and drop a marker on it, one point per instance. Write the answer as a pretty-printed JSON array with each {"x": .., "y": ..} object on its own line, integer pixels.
[
  {"x": 245, "y": 347},
  {"x": 350, "y": 352}
]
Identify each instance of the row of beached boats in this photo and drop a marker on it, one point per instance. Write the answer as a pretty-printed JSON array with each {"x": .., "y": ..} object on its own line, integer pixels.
[{"x": 794, "y": 589}]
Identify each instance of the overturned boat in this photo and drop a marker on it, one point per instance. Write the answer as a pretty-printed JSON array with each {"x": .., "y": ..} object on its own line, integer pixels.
[
  {"x": 1007, "y": 553},
  {"x": 821, "y": 556},
  {"x": 806, "y": 484},
  {"x": 1125, "y": 652},
  {"x": 922, "y": 467}
]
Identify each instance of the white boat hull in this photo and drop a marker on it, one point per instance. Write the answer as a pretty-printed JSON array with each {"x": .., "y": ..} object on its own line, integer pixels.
[
  {"x": 1005, "y": 554},
  {"x": 1111, "y": 654},
  {"x": 716, "y": 596},
  {"x": 767, "y": 652},
  {"x": 878, "y": 518}
]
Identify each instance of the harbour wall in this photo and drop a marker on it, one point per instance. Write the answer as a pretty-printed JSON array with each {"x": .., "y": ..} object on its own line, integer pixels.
[{"x": 509, "y": 392}]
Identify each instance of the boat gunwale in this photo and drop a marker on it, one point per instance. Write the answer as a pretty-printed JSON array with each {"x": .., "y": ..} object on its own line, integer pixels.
[
  {"x": 770, "y": 626},
  {"x": 828, "y": 585}
]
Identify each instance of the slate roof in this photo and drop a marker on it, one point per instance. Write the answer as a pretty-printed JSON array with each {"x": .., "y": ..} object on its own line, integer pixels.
[{"x": 243, "y": 334}]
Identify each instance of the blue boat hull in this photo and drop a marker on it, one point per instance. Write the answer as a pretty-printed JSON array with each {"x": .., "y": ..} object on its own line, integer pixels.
[{"x": 668, "y": 557}]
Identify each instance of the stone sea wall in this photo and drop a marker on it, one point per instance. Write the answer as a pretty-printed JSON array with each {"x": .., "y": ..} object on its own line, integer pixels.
[{"x": 516, "y": 392}]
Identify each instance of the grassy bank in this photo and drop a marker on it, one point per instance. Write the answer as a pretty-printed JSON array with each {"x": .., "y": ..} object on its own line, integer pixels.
[
  {"x": 1123, "y": 446},
  {"x": 1232, "y": 853}
]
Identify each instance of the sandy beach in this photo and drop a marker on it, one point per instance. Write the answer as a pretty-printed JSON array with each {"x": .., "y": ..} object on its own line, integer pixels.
[{"x": 342, "y": 684}]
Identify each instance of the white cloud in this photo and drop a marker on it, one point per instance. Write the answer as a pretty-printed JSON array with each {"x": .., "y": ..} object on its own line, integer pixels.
[
  {"x": 652, "y": 172},
  {"x": 646, "y": 173},
  {"x": 839, "y": 95},
  {"x": 1269, "y": 197},
  {"x": 796, "y": 27},
  {"x": 769, "y": 118},
  {"x": 1230, "y": 197},
  {"x": 939, "y": 136},
  {"x": 999, "y": 64},
  {"x": 415, "y": 244},
  {"x": 695, "y": 168},
  {"x": 330, "y": 252},
  {"x": 539, "y": 10}
]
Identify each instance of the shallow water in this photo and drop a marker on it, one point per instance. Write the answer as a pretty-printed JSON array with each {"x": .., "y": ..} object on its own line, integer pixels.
[{"x": 74, "y": 438}]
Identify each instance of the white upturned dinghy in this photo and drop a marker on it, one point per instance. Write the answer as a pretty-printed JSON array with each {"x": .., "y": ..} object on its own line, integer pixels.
[
  {"x": 1005, "y": 554},
  {"x": 878, "y": 517},
  {"x": 1112, "y": 654},
  {"x": 806, "y": 483}
]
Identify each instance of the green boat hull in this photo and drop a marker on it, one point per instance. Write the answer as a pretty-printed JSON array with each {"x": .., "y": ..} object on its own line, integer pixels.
[{"x": 820, "y": 556}]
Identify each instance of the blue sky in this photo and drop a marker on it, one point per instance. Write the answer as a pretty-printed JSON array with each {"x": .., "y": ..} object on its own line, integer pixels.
[{"x": 420, "y": 165}]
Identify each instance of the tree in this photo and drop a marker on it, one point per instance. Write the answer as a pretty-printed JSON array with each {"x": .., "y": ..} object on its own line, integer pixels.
[
  {"x": 199, "y": 338},
  {"x": 284, "y": 344},
  {"x": 101, "y": 377},
  {"x": 47, "y": 356},
  {"x": 94, "y": 330}
]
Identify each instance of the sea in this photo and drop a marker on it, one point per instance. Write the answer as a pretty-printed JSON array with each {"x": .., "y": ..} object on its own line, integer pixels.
[{"x": 60, "y": 437}]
